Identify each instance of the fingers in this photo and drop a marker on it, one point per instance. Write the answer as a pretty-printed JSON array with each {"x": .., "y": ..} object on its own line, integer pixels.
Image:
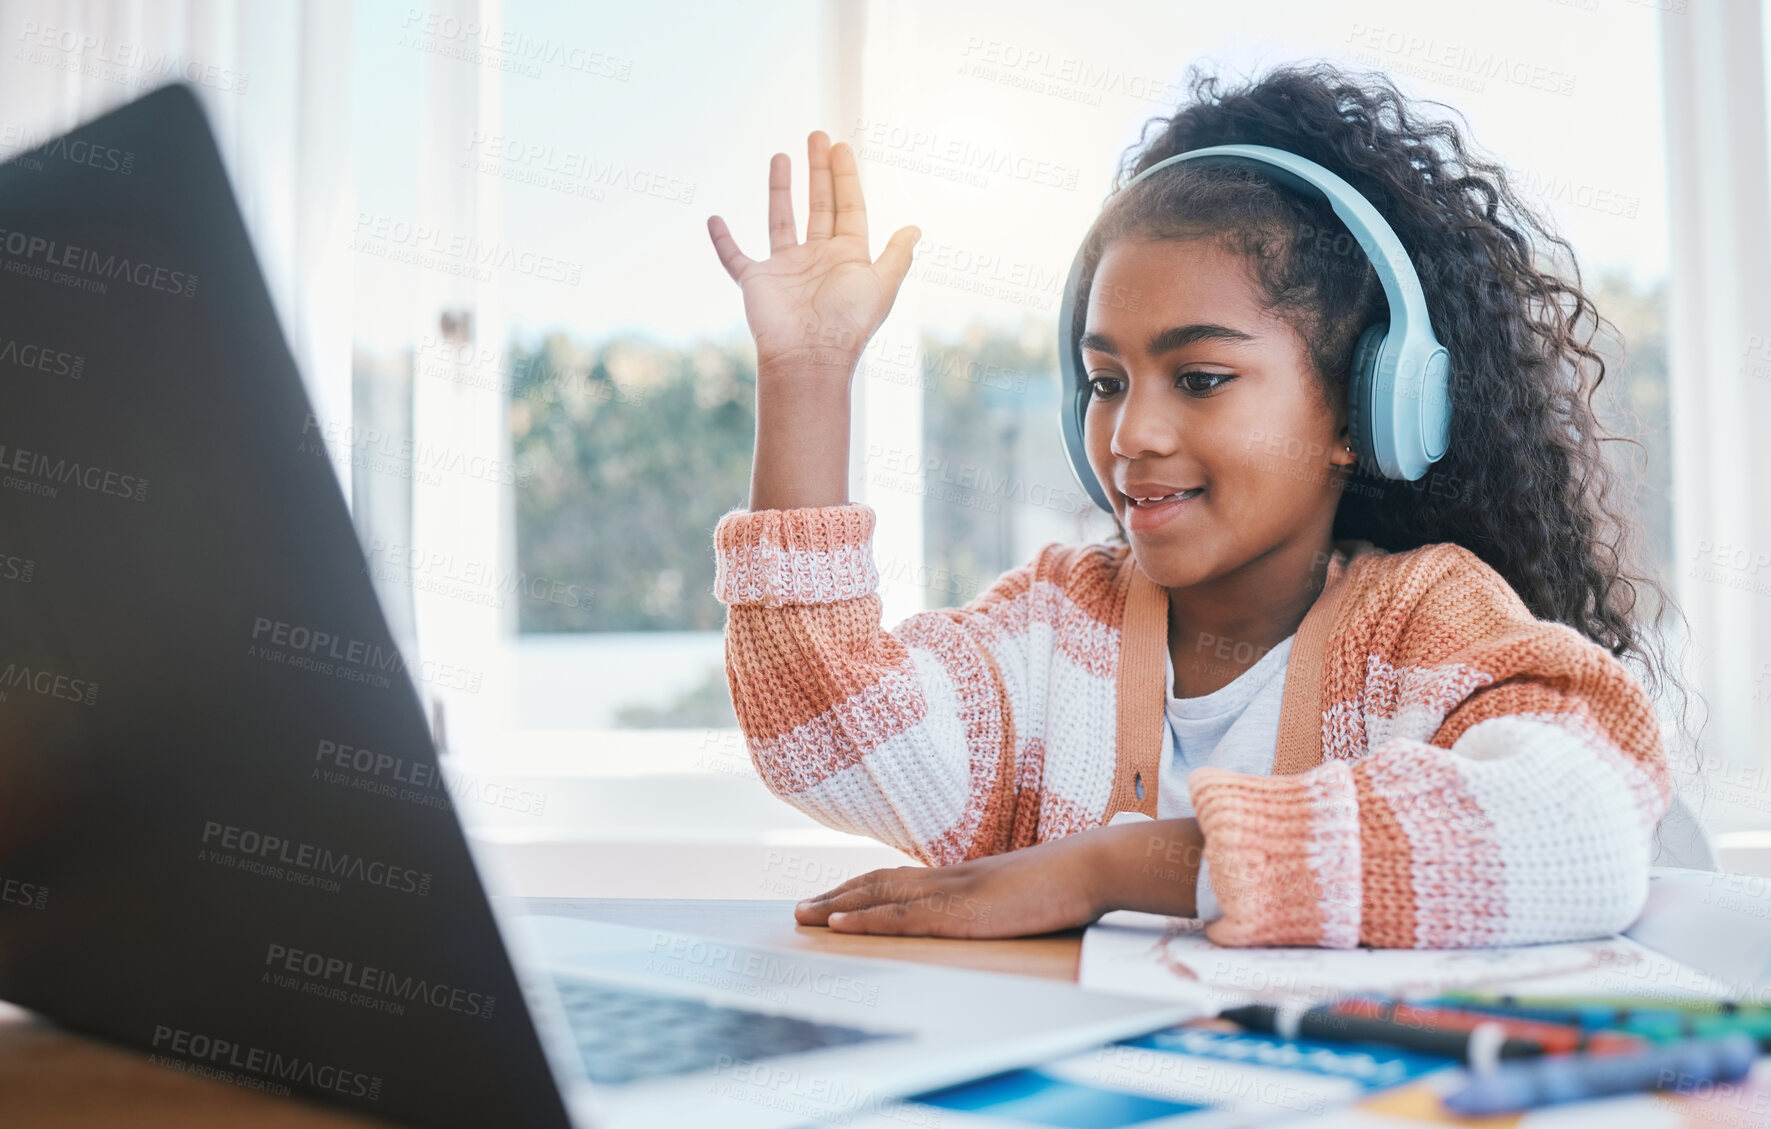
[
  {"x": 816, "y": 911},
  {"x": 782, "y": 232},
  {"x": 851, "y": 211},
  {"x": 931, "y": 913},
  {"x": 822, "y": 219},
  {"x": 734, "y": 260},
  {"x": 837, "y": 208},
  {"x": 897, "y": 919},
  {"x": 908, "y": 900},
  {"x": 894, "y": 262},
  {"x": 865, "y": 889}
]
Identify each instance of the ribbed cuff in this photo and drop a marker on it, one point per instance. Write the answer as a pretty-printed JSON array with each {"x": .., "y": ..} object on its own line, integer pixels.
[
  {"x": 814, "y": 555},
  {"x": 1284, "y": 853}
]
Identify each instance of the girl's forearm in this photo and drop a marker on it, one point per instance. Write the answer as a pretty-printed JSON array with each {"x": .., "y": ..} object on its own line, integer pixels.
[
  {"x": 1149, "y": 866},
  {"x": 802, "y": 433}
]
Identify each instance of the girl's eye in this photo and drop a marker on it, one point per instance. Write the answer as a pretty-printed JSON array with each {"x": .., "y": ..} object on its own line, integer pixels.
[
  {"x": 1218, "y": 379},
  {"x": 1196, "y": 381}
]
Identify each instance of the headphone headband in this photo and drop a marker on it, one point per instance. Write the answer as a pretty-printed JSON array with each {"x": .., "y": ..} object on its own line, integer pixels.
[{"x": 1398, "y": 396}]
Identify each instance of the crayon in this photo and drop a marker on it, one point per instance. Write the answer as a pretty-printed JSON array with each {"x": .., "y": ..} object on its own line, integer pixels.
[
  {"x": 1561, "y": 1078},
  {"x": 1692, "y": 1005},
  {"x": 1554, "y": 1038},
  {"x": 1651, "y": 1022},
  {"x": 1756, "y": 1024},
  {"x": 1479, "y": 1046}
]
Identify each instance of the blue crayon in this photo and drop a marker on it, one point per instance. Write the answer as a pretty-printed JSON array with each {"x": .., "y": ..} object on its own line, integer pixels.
[{"x": 1564, "y": 1078}]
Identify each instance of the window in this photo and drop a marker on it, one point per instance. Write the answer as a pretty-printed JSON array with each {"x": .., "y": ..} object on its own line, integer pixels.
[{"x": 565, "y": 321}]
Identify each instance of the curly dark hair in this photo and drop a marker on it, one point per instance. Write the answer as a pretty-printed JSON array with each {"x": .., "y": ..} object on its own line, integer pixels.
[{"x": 1525, "y": 484}]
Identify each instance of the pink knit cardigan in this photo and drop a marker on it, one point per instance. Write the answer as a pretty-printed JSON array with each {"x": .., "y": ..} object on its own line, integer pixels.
[{"x": 1450, "y": 770}]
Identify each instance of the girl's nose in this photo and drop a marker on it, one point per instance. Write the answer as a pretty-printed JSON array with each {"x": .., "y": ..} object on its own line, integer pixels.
[{"x": 1143, "y": 428}]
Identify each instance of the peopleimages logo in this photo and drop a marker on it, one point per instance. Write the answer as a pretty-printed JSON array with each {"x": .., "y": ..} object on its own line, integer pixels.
[
  {"x": 41, "y": 358},
  {"x": 31, "y": 895},
  {"x": 116, "y": 60},
  {"x": 44, "y": 475},
  {"x": 21, "y": 569},
  {"x": 48, "y": 683},
  {"x": 347, "y": 981},
  {"x": 467, "y": 580},
  {"x": 225, "y": 1054},
  {"x": 491, "y": 44},
  {"x": 28, "y": 250},
  {"x": 382, "y": 774},
  {"x": 354, "y": 660},
  {"x": 423, "y": 245},
  {"x": 36, "y": 149},
  {"x": 245, "y": 849},
  {"x": 299, "y": 638},
  {"x": 405, "y": 455}
]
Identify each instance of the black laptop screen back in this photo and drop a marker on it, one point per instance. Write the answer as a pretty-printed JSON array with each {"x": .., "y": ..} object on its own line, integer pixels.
[{"x": 222, "y": 834}]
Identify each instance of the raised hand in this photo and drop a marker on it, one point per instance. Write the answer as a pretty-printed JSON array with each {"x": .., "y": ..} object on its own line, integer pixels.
[{"x": 820, "y": 300}]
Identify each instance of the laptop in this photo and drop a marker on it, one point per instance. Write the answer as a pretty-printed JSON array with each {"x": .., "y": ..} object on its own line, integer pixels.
[{"x": 187, "y": 626}]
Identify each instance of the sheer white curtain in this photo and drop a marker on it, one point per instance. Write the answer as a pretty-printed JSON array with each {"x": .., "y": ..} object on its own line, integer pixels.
[
  {"x": 1718, "y": 161},
  {"x": 274, "y": 79}
]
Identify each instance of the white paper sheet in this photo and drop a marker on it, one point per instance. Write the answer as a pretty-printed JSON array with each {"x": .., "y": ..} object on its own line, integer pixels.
[{"x": 1146, "y": 955}]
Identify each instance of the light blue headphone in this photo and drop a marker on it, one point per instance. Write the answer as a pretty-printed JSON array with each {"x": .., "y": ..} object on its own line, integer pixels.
[{"x": 1398, "y": 393}]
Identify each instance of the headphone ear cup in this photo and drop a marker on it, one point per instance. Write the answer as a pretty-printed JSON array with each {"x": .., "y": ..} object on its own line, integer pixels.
[
  {"x": 1361, "y": 379},
  {"x": 1072, "y": 418}
]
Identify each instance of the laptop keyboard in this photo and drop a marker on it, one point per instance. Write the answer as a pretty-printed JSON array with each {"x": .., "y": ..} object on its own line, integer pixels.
[{"x": 627, "y": 1034}]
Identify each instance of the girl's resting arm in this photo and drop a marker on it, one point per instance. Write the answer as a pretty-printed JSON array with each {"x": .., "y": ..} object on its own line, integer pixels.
[
  {"x": 1514, "y": 778},
  {"x": 907, "y": 736}
]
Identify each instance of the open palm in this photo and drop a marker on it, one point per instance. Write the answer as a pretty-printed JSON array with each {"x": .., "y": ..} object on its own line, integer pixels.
[{"x": 825, "y": 297}]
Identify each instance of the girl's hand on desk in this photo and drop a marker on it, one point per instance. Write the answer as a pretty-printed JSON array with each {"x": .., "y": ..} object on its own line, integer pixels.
[
  {"x": 816, "y": 304},
  {"x": 1034, "y": 890},
  {"x": 1061, "y": 884}
]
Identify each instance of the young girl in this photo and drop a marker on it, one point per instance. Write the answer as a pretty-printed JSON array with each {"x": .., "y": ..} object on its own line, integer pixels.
[{"x": 1327, "y": 708}]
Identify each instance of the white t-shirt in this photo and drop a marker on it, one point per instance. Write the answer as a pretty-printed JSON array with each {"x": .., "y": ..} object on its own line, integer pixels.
[{"x": 1234, "y": 727}]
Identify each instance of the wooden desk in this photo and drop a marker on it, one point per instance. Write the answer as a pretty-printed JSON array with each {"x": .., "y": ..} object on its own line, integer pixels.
[
  {"x": 1053, "y": 957},
  {"x": 51, "y": 1079}
]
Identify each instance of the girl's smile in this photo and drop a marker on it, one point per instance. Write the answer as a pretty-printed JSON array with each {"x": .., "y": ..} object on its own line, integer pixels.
[{"x": 1144, "y": 516}]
